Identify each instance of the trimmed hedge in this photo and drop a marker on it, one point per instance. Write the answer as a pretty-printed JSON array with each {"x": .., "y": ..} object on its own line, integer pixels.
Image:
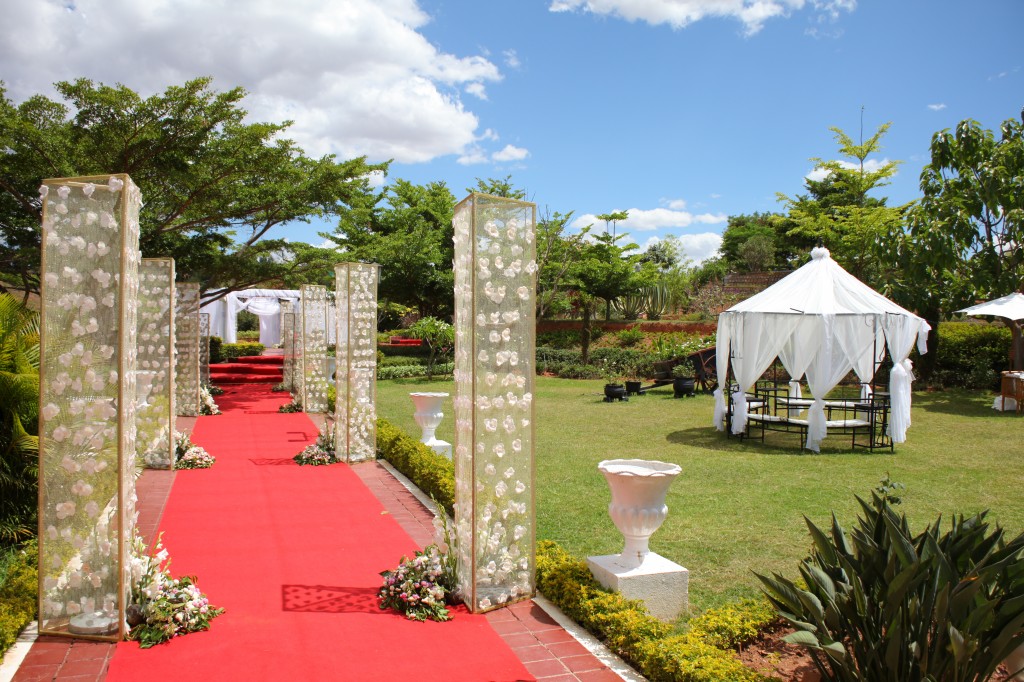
[
  {"x": 215, "y": 343},
  {"x": 18, "y": 590},
  {"x": 415, "y": 351},
  {"x": 971, "y": 354},
  {"x": 399, "y": 360},
  {"x": 405, "y": 371},
  {"x": 704, "y": 654},
  {"x": 232, "y": 351},
  {"x": 434, "y": 474}
]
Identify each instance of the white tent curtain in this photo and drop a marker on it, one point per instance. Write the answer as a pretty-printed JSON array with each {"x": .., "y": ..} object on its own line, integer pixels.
[
  {"x": 821, "y": 322},
  {"x": 264, "y": 303}
]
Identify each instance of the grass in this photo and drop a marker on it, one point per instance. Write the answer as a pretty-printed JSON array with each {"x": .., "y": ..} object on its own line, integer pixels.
[{"x": 739, "y": 507}]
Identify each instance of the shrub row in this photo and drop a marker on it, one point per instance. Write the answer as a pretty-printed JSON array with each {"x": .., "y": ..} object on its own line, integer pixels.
[
  {"x": 971, "y": 354},
  {"x": 405, "y": 371},
  {"x": 215, "y": 343},
  {"x": 384, "y": 360},
  {"x": 414, "y": 351},
  {"x": 232, "y": 351},
  {"x": 434, "y": 474},
  {"x": 18, "y": 590},
  {"x": 704, "y": 654}
]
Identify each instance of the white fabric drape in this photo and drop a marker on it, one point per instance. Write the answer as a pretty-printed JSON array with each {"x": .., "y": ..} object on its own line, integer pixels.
[
  {"x": 900, "y": 334},
  {"x": 756, "y": 341}
]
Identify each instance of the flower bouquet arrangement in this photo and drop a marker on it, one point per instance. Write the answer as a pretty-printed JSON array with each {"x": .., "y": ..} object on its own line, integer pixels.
[
  {"x": 293, "y": 406},
  {"x": 424, "y": 586},
  {"x": 207, "y": 405},
  {"x": 215, "y": 389},
  {"x": 319, "y": 453},
  {"x": 188, "y": 455},
  {"x": 164, "y": 607}
]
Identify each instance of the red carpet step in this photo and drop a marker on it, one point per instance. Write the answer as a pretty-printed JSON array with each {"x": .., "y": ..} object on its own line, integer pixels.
[{"x": 249, "y": 370}]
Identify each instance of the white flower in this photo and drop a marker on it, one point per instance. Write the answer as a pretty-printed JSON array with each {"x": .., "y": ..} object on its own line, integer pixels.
[
  {"x": 93, "y": 510},
  {"x": 50, "y": 411},
  {"x": 115, "y": 184},
  {"x": 43, "y": 191},
  {"x": 65, "y": 509},
  {"x": 523, "y": 293},
  {"x": 531, "y": 267},
  {"x": 60, "y": 433},
  {"x": 88, "y": 189},
  {"x": 520, "y": 487},
  {"x": 63, "y": 191}
]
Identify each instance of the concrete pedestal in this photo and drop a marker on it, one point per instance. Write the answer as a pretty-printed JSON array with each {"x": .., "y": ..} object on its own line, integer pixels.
[
  {"x": 661, "y": 584},
  {"x": 441, "y": 447}
]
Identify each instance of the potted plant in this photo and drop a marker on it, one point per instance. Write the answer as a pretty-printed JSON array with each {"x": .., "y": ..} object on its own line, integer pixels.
[
  {"x": 633, "y": 380},
  {"x": 682, "y": 379},
  {"x": 613, "y": 388}
]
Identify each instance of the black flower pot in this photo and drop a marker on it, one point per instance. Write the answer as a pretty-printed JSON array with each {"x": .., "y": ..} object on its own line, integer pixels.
[
  {"x": 613, "y": 392},
  {"x": 632, "y": 388},
  {"x": 683, "y": 387}
]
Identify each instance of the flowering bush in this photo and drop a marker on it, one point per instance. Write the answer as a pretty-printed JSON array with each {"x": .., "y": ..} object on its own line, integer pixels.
[
  {"x": 188, "y": 455},
  {"x": 319, "y": 453},
  {"x": 293, "y": 406},
  {"x": 207, "y": 405},
  {"x": 414, "y": 588},
  {"x": 164, "y": 607}
]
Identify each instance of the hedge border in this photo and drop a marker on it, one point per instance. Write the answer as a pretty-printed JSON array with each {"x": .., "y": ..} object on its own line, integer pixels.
[{"x": 18, "y": 592}]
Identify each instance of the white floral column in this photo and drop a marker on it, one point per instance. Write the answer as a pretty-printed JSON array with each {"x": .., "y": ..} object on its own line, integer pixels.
[
  {"x": 314, "y": 348},
  {"x": 495, "y": 288},
  {"x": 186, "y": 348},
  {"x": 204, "y": 349},
  {"x": 355, "y": 412},
  {"x": 155, "y": 384},
  {"x": 288, "y": 343},
  {"x": 90, "y": 266}
]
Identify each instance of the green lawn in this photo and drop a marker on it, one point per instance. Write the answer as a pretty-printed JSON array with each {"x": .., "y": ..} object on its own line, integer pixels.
[{"x": 737, "y": 507}]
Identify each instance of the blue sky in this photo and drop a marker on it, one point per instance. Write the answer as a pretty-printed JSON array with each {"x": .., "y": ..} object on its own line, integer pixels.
[{"x": 681, "y": 111}]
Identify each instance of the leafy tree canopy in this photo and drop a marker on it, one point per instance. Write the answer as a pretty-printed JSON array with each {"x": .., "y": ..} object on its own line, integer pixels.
[
  {"x": 213, "y": 184},
  {"x": 837, "y": 209},
  {"x": 789, "y": 247}
]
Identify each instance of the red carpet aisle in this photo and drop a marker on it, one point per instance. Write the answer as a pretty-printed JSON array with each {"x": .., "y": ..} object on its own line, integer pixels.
[{"x": 293, "y": 553}]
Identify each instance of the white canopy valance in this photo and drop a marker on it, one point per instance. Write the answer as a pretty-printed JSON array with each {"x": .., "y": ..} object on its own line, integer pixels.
[
  {"x": 821, "y": 322},
  {"x": 264, "y": 303}
]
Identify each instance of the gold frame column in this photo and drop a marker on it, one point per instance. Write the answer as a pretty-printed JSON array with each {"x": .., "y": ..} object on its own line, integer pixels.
[
  {"x": 186, "y": 342},
  {"x": 314, "y": 348},
  {"x": 495, "y": 329},
  {"x": 88, "y": 354},
  {"x": 355, "y": 406},
  {"x": 155, "y": 436}
]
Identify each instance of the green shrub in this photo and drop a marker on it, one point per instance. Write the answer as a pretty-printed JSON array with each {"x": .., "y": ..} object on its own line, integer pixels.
[
  {"x": 232, "y": 351},
  {"x": 433, "y": 473},
  {"x": 397, "y": 360},
  {"x": 630, "y": 337},
  {"x": 641, "y": 639},
  {"x": 19, "y": 586},
  {"x": 414, "y": 351},
  {"x": 881, "y": 603},
  {"x": 406, "y": 371},
  {"x": 561, "y": 339},
  {"x": 249, "y": 337},
  {"x": 971, "y": 354},
  {"x": 215, "y": 355},
  {"x": 332, "y": 396}
]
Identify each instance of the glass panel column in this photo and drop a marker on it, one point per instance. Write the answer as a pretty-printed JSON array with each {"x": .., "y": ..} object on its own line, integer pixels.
[
  {"x": 355, "y": 412},
  {"x": 186, "y": 347},
  {"x": 155, "y": 378},
  {"x": 314, "y": 348}
]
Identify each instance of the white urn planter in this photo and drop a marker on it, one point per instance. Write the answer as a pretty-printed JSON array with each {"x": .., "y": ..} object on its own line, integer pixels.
[
  {"x": 428, "y": 416},
  {"x": 638, "y": 506},
  {"x": 143, "y": 387},
  {"x": 638, "y": 509}
]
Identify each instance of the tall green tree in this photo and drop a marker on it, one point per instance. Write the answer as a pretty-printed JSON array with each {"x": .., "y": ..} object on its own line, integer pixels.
[
  {"x": 408, "y": 229},
  {"x": 499, "y": 187},
  {"x": 19, "y": 416},
  {"x": 557, "y": 253},
  {"x": 838, "y": 209},
  {"x": 965, "y": 240},
  {"x": 214, "y": 185},
  {"x": 789, "y": 246}
]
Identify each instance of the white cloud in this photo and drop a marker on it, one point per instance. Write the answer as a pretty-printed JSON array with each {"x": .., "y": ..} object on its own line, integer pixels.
[
  {"x": 511, "y": 153},
  {"x": 676, "y": 204},
  {"x": 680, "y": 13},
  {"x": 376, "y": 179},
  {"x": 654, "y": 219},
  {"x": 936, "y": 107},
  {"x": 474, "y": 155},
  {"x": 356, "y": 76},
  {"x": 870, "y": 166},
  {"x": 511, "y": 59},
  {"x": 477, "y": 90}
]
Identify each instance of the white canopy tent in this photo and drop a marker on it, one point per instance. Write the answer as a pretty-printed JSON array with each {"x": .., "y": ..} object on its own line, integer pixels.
[
  {"x": 822, "y": 322},
  {"x": 1011, "y": 307},
  {"x": 265, "y": 303}
]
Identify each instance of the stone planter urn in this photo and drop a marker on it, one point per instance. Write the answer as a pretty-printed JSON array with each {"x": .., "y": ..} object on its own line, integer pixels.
[
  {"x": 143, "y": 386},
  {"x": 638, "y": 506},
  {"x": 428, "y": 416}
]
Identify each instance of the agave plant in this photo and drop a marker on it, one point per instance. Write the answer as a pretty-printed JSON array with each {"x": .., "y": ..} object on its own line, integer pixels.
[
  {"x": 19, "y": 414},
  {"x": 882, "y": 604},
  {"x": 630, "y": 306},
  {"x": 656, "y": 301}
]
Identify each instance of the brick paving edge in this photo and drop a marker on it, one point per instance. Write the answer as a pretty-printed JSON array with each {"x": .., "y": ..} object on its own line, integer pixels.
[
  {"x": 14, "y": 656},
  {"x": 579, "y": 633}
]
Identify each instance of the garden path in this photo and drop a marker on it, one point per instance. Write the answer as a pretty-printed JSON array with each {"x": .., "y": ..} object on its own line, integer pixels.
[{"x": 294, "y": 554}]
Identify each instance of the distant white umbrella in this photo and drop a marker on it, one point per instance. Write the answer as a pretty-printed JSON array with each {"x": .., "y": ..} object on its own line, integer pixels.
[{"x": 1011, "y": 307}]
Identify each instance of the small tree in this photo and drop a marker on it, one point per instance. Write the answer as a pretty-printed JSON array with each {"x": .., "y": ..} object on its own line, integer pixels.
[
  {"x": 758, "y": 253},
  {"x": 439, "y": 336}
]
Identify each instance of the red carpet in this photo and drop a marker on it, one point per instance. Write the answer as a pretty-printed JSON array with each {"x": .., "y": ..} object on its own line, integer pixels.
[
  {"x": 249, "y": 370},
  {"x": 293, "y": 553}
]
